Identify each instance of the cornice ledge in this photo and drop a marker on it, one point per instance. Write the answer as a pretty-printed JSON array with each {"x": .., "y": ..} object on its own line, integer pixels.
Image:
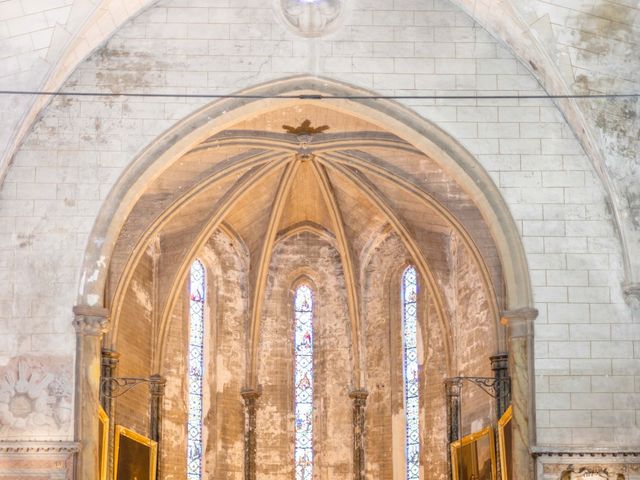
[
  {"x": 49, "y": 447},
  {"x": 568, "y": 451},
  {"x": 631, "y": 292}
]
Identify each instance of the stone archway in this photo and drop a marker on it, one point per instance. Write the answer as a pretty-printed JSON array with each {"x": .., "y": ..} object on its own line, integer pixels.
[{"x": 390, "y": 116}]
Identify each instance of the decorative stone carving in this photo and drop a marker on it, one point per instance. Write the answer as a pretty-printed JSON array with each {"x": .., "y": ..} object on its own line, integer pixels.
[
  {"x": 36, "y": 396},
  {"x": 631, "y": 292},
  {"x": 37, "y": 460},
  {"x": 579, "y": 465},
  {"x": 312, "y": 18}
]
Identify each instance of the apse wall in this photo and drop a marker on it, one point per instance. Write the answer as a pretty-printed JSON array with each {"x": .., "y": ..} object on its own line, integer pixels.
[
  {"x": 226, "y": 267},
  {"x": 586, "y": 337},
  {"x": 305, "y": 258}
]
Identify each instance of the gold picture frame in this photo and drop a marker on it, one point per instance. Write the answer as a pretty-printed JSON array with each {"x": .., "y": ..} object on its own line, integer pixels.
[
  {"x": 135, "y": 456},
  {"x": 103, "y": 441},
  {"x": 473, "y": 457},
  {"x": 504, "y": 444}
]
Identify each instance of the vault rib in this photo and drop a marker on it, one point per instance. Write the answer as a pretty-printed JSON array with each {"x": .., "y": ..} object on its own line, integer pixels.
[
  {"x": 348, "y": 267},
  {"x": 381, "y": 202},
  {"x": 349, "y": 160},
  {"x": 167, "y": 215},
  {"x": 262, "y": 271},
  {"x": 221, "y": 209},
  {"x": 284, "y": 142}
]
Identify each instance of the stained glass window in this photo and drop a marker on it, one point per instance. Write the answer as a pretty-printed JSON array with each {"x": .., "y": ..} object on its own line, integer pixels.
[
  {"x": 303, "y": 382},
  {"x": 196, "y": 370},
  {"x": 410, "y": 363}
]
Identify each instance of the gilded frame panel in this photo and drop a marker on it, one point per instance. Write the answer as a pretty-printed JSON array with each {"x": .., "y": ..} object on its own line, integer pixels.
[
  {"x": 473, "y": 457},
  {"x": 103, "y": 442},
  {"x": 504, "y": 444},
  {"x": 135, "y": 455}
]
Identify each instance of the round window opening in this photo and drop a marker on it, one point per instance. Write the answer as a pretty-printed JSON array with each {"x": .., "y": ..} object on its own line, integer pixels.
[{"x": 312, "y": 18}]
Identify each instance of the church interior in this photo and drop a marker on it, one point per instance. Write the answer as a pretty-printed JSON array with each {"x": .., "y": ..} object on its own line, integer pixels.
[{"x": 320, "y": 239}]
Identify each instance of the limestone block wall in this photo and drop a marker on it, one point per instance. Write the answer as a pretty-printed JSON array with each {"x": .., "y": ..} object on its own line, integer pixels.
[{"x": 587, "y": 355}]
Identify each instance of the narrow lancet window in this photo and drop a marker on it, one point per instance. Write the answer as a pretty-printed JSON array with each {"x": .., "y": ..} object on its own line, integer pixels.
[
  {"x": 303, "y": 381},
  {"x": 196, "y": 370},
  {"x": 410, "y": 363}
]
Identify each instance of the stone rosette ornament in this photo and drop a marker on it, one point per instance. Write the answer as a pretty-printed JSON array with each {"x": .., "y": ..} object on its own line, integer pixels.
[
  {"x": 312, "y": 18},
  {"x": 35, "y": 396}
]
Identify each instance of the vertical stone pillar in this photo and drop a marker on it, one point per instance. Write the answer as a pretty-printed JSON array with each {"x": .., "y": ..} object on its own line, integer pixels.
[
  {"x": 499, "y": 366},
  {"x": 359, "y": 397},
  {"x": 110, "y": 360},
  {"x": 90, "y": 323},
  {"x": 520, "y": 330},
  {"x": 250, "y": 396},
  {"x": 453, "y": 388},
  {"x": 156, "y": 390}
]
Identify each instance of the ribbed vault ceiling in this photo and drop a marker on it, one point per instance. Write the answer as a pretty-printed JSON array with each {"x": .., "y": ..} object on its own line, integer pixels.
[{"x": 352, "y": 183}]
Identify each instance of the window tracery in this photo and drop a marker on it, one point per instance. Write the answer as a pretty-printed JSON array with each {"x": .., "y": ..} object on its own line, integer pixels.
[
  {"x": 195, "y": 370},
  {"x": 303, "y": 382},
  {"x": 410, "y": 365}
]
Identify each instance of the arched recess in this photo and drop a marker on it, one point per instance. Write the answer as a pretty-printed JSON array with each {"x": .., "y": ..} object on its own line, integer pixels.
[{"x": 389, "y": 116}]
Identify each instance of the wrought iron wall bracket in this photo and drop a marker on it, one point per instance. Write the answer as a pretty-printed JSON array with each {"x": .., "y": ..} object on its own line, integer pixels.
[
  {"x": 495, "y": 387},
  {"x": 114, "y": 387}
]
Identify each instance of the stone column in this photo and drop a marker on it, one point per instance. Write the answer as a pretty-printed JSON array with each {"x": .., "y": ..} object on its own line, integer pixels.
[
  {"x": 499, "y": 366},
  {"x": 520, "y": 328},
  {"x": 453, "y": 388},
  {"x": 90, "y": 323},
  {"x": 110, "y": 360},
  {"x": 156, "y": 390},
  {"x": 250, "y": 396},
  {"x": 359, "y": 397}
]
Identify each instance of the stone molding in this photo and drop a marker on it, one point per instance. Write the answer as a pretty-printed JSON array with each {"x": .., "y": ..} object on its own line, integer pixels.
[
  {"x": 90, "y": 321},
  {"x": 25, "y": 447},
  {"x": 519, "y": 321}
]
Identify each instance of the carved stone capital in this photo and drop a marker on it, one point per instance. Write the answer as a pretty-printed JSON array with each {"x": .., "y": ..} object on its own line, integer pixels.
[
  {"x": 631, "y": 292},
  {"x": 90, "y": 321},
  {"x": 359, "y": 396},
  {"x": 519, "y": 321},
  {"x": 157, "y": 383},
  {"x": 250, "y": 394},
  {"x": 110, "y": 358},
  {"x": 499, "y": 361},
  {"x": 453, "y": 386}
]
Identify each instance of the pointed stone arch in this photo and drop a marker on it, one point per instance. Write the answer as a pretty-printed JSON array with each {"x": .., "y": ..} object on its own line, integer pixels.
[{"x": 388, "y": 115}]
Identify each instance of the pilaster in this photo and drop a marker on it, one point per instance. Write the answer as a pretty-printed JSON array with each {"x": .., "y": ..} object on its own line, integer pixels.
[
  {"x": 250, "y": 397},
  {"x": 90, "y": 324},
  {"x": 359, "y": 397},
  {"x": 520, "y": 334}
]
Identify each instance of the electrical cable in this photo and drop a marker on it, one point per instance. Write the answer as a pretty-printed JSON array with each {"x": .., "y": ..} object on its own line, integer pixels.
[{"x": 315, "y": 97}]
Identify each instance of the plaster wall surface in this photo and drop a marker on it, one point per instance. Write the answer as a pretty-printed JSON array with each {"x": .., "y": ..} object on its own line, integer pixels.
[{"x": 587, "y": 339}]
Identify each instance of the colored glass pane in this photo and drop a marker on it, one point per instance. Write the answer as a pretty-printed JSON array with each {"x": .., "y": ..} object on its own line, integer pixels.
[
  {"x": 196, "y": 370},
  {"x": 410, "y": 363},
  {"x": 303, "y": 382}
]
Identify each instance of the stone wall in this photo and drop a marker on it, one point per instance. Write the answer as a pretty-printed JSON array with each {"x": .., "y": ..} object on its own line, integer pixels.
[
  {"x": 587, "y": 352},
  {"x": 225, "y": 317},
  {"x": 305, "y": 257}
]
